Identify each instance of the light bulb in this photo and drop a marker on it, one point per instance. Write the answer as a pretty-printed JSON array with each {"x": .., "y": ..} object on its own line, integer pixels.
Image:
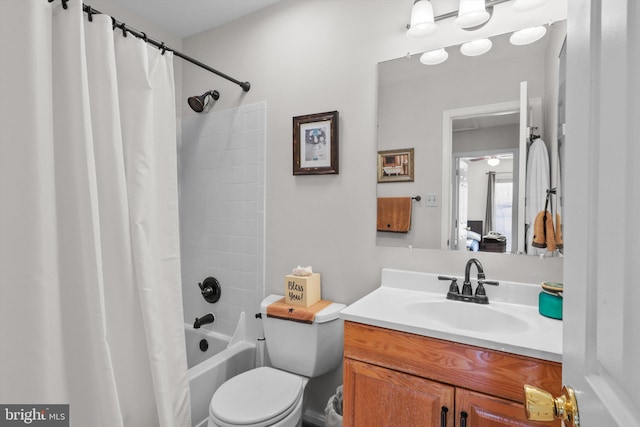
[
  {"x": 472, "y": 13},
  {"x": 422, "y": 23}
]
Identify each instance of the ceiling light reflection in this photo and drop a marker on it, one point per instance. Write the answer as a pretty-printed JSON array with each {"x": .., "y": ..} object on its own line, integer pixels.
[
  {"x": 476, "y": 47},
  {"x": 434, "y": 57}
]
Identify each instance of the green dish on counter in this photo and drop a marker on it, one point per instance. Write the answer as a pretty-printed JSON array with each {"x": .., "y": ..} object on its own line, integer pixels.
[{"x": 550, "y": 305}]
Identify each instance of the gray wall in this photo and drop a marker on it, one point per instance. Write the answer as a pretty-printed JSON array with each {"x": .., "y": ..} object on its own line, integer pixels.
[
  {"x": 313, "y": 56},
  {"x": 309, "y": 56}
]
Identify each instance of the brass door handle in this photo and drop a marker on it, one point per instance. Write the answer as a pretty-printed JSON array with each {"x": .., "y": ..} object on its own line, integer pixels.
[{"x": 540, "y": 405}]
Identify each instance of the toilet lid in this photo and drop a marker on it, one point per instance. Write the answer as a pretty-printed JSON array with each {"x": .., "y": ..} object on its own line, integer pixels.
[{"x": 261, "y": 396}]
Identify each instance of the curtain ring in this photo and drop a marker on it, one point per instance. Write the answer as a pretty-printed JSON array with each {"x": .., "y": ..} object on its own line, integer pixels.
[
  {"x": 144, "y": 37},
  {"x": 64, "y": 4},
  {"x": 124, "y": 30},
  {"x": 163, "y": 49},
  {"x": 90, "y": 14},
  {"x": 113, "y": 23}
]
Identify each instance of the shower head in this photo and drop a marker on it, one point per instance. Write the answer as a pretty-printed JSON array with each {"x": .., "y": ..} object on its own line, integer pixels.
[{"x": 197, "y": 103}]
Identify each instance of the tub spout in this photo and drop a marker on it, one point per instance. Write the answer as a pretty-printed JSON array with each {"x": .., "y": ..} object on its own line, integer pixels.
[{"x": 207, "y": 318}]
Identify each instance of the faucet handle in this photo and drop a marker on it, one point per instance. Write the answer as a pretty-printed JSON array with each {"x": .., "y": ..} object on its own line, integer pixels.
[
  {"x": 453, "y": 287},
  {"x": 480, "y": 288},
  {"x": 489, "y": 282}
]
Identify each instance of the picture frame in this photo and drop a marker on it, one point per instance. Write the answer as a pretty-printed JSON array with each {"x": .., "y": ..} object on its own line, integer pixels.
[
  {"x": 395, "y": 165},
  {"x": 315, "y": 144}
]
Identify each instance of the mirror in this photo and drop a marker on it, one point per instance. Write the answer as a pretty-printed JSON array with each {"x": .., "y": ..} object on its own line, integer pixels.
[{"x": 463, "y": 120}]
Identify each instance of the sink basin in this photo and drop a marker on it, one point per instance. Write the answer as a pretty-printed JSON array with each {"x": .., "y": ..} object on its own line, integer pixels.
[{"x": 467, "y": 316}]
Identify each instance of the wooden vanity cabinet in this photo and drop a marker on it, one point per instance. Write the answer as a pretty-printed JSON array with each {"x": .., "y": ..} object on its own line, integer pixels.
[{"x": 394, "y": 378}]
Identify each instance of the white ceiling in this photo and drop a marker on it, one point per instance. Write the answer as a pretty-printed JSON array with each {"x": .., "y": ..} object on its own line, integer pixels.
[{"x": 185, "y": 18}]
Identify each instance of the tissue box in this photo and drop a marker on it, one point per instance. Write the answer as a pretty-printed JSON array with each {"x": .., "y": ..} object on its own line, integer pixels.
[{"x": 302, "y": 290}]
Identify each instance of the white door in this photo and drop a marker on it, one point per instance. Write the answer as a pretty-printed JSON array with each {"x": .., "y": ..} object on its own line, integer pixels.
[{"x": 602, "y": 264}]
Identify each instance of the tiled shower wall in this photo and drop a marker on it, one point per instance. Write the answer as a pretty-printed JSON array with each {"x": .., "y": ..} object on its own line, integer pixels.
[{"x": 221, "y": 191}]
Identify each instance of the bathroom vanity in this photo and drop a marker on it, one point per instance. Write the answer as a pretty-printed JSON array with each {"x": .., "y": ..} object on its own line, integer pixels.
[{"x": 412, "y": 358}]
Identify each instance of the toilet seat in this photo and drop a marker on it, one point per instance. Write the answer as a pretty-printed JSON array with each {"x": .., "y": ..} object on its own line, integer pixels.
[{"x": 257, "y": 398}]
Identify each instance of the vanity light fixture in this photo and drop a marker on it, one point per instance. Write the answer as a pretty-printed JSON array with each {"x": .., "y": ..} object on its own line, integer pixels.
[
  {"x": 476, "y": 47},
  {"x": 472, "y": 13},
  {"x": 527, "y": 35},
  {"x": 434, "y": 57},
  {"x": 422, "y": 23},
  {"x": 523, "y": 5}
]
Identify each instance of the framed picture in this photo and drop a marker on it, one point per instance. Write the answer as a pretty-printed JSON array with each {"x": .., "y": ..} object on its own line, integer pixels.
[
  {"x": 395, "y": 165},
  {"x": 315, "y": 144}
]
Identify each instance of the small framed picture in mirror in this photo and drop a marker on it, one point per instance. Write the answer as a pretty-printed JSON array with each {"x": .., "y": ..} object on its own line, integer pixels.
[
  {"x": 395, "y": 165},
  {"x": 315, "y": 144}
]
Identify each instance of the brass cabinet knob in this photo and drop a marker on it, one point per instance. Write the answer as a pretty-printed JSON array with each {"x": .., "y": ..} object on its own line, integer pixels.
[{"x": 540, "y": 405}]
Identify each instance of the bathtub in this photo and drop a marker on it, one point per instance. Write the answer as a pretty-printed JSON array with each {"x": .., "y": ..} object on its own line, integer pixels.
[
  {"x": 393, "y": 170},
  {"x": 225, "y": 357}
]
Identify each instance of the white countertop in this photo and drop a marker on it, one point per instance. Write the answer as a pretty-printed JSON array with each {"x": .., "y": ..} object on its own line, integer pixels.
[{"x": 416, "y": 303}]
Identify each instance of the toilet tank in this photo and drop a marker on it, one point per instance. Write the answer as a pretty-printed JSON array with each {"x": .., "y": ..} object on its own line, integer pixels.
[{"x": 307, "y": 349}]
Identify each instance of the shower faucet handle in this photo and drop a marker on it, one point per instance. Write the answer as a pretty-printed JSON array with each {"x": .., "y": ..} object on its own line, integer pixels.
[
  {"x": 210, "y": 289},
  {"x": 206, "y": 290}
]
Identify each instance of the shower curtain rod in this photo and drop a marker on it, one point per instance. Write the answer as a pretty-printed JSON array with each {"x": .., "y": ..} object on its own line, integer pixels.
[{"x": 160, "y": 45}]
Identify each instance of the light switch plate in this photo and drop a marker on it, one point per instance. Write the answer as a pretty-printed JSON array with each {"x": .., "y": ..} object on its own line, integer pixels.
[{"x": 431, "y": 199}]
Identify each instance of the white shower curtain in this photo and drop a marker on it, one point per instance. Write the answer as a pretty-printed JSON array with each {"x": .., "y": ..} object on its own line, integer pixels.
[{"x": 90, "y": 294}]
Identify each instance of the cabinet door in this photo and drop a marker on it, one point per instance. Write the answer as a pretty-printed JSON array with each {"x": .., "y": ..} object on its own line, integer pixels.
[
  {"x": 376, "y": 396},
  {"x": 481, "y": 410}
]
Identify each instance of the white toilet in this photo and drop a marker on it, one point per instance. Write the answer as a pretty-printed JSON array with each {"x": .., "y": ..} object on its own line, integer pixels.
[{"x": 272, "y": 396}]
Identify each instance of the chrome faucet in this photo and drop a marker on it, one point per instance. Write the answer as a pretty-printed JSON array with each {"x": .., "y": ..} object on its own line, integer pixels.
[
  {"x": 206, "y": 319},
  {"x": 467, "y": 295}
]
